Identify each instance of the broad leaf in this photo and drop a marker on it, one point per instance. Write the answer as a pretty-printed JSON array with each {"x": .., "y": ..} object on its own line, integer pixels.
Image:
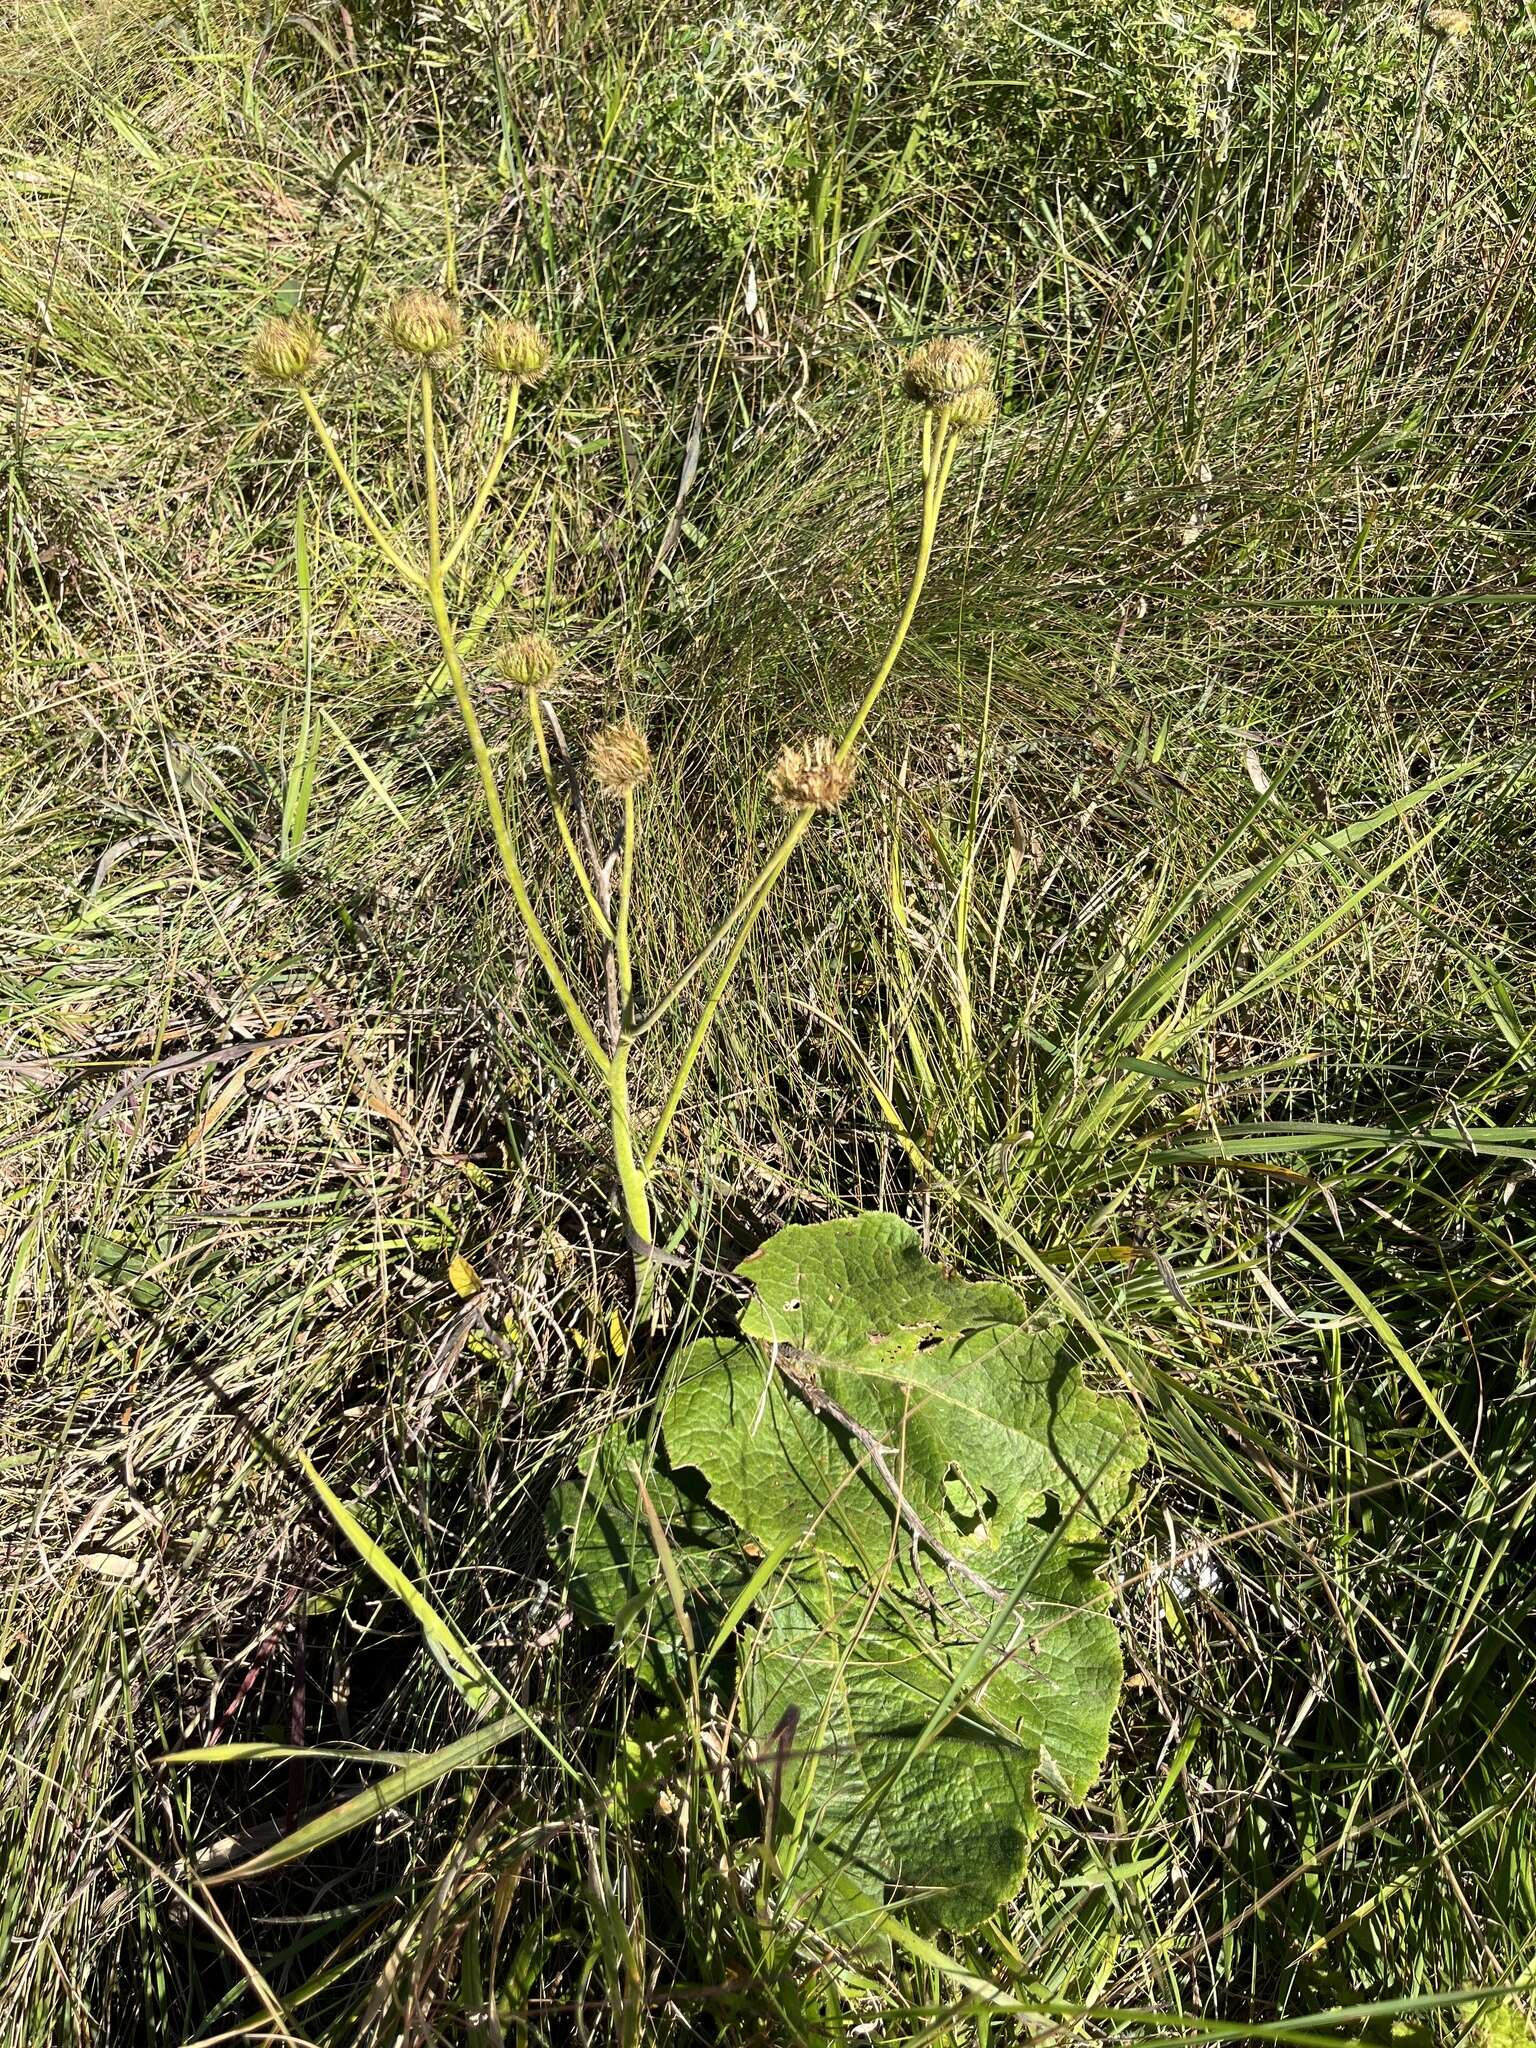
[
  {"x": 942, "y": 1480},
  {"x": 955, "y": 1373}
]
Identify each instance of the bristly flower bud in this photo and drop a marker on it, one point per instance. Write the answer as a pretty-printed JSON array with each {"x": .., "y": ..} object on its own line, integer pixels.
[
  {"x": 973, "y": 411},
  {"x": 620, "y": 759},
  {"x": 423, "y": 324},
  {"x": 810, "y": 777},
  {"x": 1449, "y": 21},
  {"x": 515, "y": 349},
  {"x": 939, "y": 371},
  {"x": 286, "y": 351},
  {"x": 530, "y": 661}
]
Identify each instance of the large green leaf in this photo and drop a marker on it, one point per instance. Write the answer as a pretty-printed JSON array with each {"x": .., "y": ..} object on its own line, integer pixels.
[
  {"x": 918, "y": 1662},
  {"x": 955, "y": 1373},
  {"x": 905, "y": 1763}
]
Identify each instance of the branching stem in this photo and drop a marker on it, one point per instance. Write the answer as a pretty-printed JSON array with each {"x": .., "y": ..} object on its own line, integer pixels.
[
  {"x": 482, "y": 497},
  {"x": 405, "y": 570}
]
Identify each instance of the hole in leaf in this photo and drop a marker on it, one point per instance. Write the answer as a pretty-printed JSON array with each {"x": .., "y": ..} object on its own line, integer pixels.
[{"x": 970, "y": 1509}]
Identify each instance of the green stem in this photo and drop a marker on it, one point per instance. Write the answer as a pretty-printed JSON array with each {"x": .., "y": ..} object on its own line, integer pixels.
[
  {"x": 429, "y": 457},
  {"x": 407, "y": 571},
  {"x": 537, "y": 938},
  {"x": 938, "y": 459},
  {"x": 482, "y": 497},
  {"x": 937, "y": 478},
  {"x": 567, "y": 837},
  {"x": 621, "y": 917},
  {"x": 632, "y": 1176},
  {"x": 489, "y": 609}
]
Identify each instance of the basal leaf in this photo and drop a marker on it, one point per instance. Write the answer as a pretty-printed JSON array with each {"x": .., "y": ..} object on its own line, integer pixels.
[
  {"x": 956, "y": 1374},
  {"x": 900, "y": 1767},
  {"x": 936, "y": 1701},
  {"x": 922, "y": 1453},
  {"x": 774, "y": 1468}
]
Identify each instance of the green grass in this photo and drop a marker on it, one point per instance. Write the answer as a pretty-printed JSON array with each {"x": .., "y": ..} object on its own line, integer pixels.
[{"x": 1172, "y": 959}]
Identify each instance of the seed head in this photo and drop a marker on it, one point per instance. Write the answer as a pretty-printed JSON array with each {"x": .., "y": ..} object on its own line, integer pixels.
[
  {"x": 286, "y": 351},
  {"x": 974, "y": 410},
  {"x": 515, "y": 349},
  {"x": 810, "y": 776},
  {"x": 1453, "y": 22},
  {"x": 530, "y": 661},
  {"x": 619, "y": 758},
  {"x": 939, "y": 371},
  {"x": 423, "y": 324}
]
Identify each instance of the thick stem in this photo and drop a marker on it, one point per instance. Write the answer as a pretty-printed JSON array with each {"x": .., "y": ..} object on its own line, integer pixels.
[
  {"x": 938, "y": 454},
  {"x": 632, "y": 1176},
  {"x": 621, "y": 916},
  {"x": 537, "y": 937}
]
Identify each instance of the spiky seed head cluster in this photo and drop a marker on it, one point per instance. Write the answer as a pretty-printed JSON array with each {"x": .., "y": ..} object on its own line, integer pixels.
[
  {"x": 286, "y": 351},
  {"x": 515, "y": 349},
  {"x": 1449, "y": 21},
  {"x": 940, "y": 370},
  {"x": 530, "y": 660},
  {"x": 810, "y": 776},
  {"x": 953, "y": 376},
  {"x": 619, "y": 758},
  {"x": 423, "y": 324}
]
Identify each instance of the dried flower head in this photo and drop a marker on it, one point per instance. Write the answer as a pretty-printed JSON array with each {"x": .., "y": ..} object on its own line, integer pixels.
[
  {"x": 619, "y": 758},
  {"x": 939, "y": 371},
  {"x": 810, "y": 776},
  {"x": 423, "y": 324},
  {"x": 514, "y": 348},
  {"x": 530, "y": 660},
  {"x": 1449, "y": 21},
  {"x": 974, "y": 410},
  {"x": 286, "y": 351}
]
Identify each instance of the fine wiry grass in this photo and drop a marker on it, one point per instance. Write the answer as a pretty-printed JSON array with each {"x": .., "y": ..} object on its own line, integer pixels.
[{"x": 1171, "y": 959}]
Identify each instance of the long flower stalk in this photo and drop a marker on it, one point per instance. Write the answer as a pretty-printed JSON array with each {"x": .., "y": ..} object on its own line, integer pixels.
[
  {"x": 951, "y": 381},
  {"x": 586, "y": 1037}
]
